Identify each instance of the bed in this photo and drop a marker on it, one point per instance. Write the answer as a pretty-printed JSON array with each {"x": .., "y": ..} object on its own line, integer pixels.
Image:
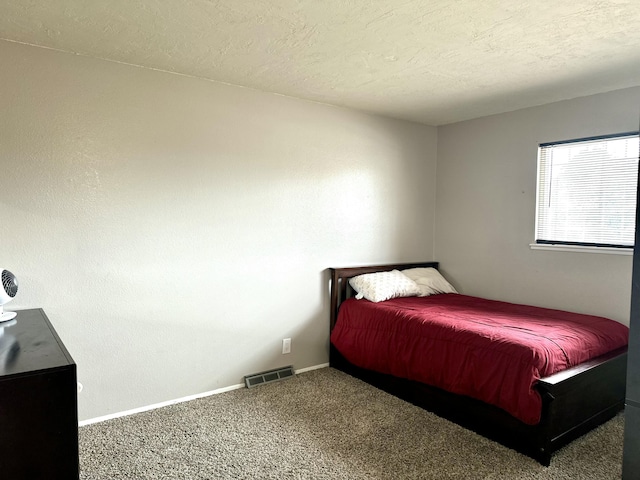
[{"x": 566, "y": 396}]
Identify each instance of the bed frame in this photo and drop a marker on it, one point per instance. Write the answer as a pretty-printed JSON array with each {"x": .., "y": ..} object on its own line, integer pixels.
[{"x": 574, "y": 401}]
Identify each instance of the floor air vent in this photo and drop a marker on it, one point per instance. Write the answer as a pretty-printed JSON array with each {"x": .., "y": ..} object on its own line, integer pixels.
[{"x": 268, "y": 377}]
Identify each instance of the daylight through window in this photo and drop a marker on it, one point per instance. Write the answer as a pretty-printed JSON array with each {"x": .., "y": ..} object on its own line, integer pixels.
[{"x": 587, "y": 191}]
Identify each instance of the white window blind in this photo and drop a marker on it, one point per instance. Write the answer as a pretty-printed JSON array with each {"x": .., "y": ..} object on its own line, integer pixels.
[{"x": 587, "y": 191}]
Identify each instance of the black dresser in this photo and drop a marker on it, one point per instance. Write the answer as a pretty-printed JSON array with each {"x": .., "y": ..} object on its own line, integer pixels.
[{"x": 38, "y": 401}]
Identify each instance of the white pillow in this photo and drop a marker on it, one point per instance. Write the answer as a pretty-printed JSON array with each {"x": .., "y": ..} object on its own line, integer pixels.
[
  {"x": 429, "y": 281},
  {"x": 380, "y": 286}
]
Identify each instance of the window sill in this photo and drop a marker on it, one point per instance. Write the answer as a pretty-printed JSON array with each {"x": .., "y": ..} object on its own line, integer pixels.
[{"x": 581, "y": 249}]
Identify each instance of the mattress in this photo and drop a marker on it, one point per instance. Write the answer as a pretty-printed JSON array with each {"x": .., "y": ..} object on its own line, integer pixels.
[{"x": 485, "y": 349}]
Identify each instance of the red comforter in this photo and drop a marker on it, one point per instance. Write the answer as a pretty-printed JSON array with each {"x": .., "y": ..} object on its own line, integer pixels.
[{"x": 493, "y": 351}]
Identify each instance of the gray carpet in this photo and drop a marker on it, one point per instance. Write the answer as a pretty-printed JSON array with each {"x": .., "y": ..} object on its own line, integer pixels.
[{"x": 321, "y": 425}]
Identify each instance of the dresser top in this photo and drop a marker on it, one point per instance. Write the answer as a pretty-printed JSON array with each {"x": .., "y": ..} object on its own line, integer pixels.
[{"x": 29, "y": 344}]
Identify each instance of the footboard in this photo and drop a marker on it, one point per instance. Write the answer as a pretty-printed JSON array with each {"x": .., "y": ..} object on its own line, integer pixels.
[{"x": 582, "y": 397}]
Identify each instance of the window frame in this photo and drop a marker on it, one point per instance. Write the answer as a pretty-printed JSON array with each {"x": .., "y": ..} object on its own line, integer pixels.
[{"x": 566, "y": 245}]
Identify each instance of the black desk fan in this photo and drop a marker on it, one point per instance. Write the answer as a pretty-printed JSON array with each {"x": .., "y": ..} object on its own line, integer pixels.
[{"x": 7, "y": 292}]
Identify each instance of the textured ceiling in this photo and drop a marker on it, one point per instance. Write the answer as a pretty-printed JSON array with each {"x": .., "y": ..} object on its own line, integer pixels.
[{"x": 431, "y": 61}]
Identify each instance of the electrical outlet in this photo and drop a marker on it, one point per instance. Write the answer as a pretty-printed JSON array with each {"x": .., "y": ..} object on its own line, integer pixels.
[{"x": 286, "y": 346}]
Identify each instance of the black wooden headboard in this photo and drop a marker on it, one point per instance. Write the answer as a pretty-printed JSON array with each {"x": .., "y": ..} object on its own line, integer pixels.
[{"x": 340, "y": 289}]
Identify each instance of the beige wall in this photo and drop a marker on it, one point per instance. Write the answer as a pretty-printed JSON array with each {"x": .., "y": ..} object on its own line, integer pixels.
[
  {"x": 485, "y": 208},
  {"x": 175, "y": 230}
]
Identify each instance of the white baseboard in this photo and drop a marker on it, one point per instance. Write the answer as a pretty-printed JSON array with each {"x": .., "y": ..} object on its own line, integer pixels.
[
  {"x": 314, "y": 367},
  {"x": 180, "y": 400}
]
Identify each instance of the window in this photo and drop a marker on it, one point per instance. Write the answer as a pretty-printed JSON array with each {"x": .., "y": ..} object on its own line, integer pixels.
[{"x": 587, "y": 191}]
